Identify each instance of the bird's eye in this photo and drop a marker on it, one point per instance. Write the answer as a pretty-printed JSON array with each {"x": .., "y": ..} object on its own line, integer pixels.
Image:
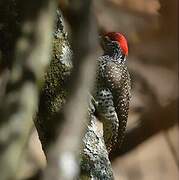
[{"x": 107, "y": 38}]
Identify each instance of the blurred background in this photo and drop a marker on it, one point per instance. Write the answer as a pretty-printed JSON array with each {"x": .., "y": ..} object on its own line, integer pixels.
[{"x": 150, "y": 148}]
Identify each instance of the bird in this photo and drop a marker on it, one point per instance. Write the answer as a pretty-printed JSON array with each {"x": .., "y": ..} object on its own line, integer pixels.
[{"x": 112, "y": 90}]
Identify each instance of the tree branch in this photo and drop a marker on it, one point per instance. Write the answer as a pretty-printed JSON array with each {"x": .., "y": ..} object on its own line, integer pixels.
[{"x": 63, "y": 155}]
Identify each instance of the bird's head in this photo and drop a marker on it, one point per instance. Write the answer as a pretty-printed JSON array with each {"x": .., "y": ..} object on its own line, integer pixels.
[{"x": 114, "y": 41}]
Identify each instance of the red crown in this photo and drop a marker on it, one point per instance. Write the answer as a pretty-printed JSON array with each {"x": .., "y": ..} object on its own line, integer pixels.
[{"x": 116, "y": 36}]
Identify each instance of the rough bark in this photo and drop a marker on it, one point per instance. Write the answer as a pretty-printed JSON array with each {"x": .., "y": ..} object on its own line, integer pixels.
[{"x": 94, "y": 162}]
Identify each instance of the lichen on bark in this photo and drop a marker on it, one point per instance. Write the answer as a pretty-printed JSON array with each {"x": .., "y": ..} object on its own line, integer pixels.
[
  {"x": 54, "y": 91},
  {"x": 94, "y": 161}
]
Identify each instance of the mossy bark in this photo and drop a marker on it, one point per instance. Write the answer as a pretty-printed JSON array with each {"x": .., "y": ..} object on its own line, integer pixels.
[{"x": 94, "y": 159}]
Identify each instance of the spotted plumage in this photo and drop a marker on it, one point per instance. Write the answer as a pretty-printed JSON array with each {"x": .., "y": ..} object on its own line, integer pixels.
[{"x": 112, "y": 92}]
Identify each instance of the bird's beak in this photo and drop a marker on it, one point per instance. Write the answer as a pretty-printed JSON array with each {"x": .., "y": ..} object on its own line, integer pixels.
[{"x": 100, "y": 38}]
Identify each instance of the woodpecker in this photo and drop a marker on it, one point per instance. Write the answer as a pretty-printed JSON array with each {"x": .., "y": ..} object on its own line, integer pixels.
[{"x": 112, "y": 90}]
